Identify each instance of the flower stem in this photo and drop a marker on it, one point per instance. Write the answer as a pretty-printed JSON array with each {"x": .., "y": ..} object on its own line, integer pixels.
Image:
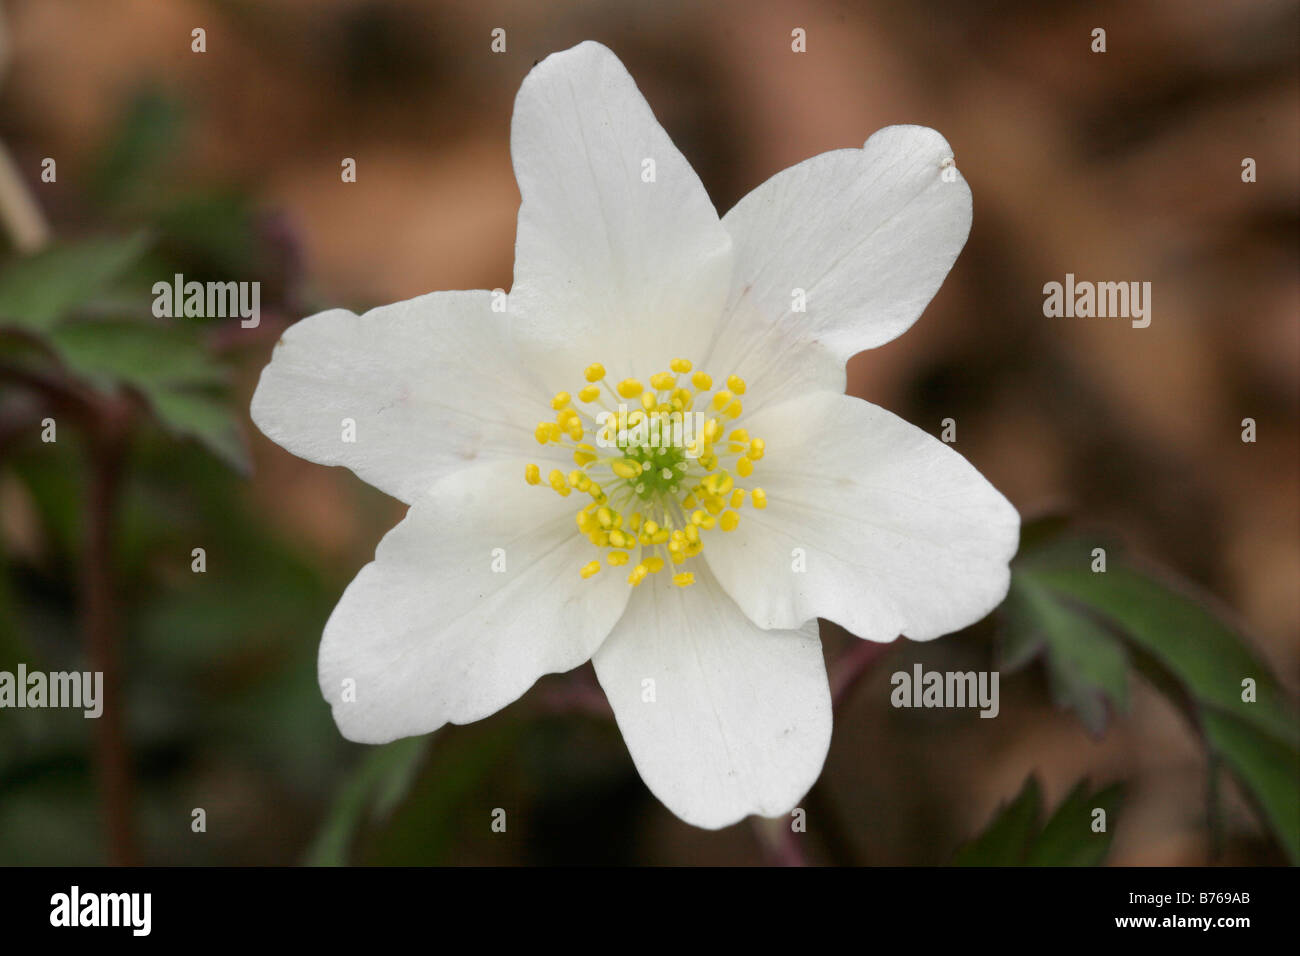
[
  {"x": 851, "y": 667},
  {"x": 779, "y": 842},
  {"x": 106, "y": 450}
]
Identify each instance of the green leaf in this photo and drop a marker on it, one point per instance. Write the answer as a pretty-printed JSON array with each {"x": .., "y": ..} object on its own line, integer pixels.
[
  {"x": 1188, "y": 652},
  {"x": 1014, "y": 838},
  {"x": 37, "y": 291},
  {"x": 1068, "y": 838},
  {"x": 1004, "y": 840},
  {"x": 1086, "y": 665},
  {"x": 205, "y": 417},
  {"x": 147, "y": 136},
  {"x": 377, "y": 786},
  {"x": 168, "y": 366}
]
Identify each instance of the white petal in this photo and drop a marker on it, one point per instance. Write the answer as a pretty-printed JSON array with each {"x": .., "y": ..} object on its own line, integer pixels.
[
  {"x": 868, "y": 236},
  {"x": 899, "y": 533},
  {"x": 608, "y": 267},
  {"x": 431, "y": 634},
  {"x": 432, "y": 384},
  {"x": 740, "y": 720}
]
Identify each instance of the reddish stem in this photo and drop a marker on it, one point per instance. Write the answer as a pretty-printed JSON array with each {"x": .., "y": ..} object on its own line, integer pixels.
[
  {"x": 106, "y": 447},
  {"x": 852, "y": 666}
]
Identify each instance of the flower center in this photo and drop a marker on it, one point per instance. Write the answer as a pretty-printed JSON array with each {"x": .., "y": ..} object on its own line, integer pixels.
[{"x": 652, "y": 460}]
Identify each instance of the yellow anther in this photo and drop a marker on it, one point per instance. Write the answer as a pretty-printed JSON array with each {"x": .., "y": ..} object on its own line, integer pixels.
[
  {"x": 719, "y": 483},
  {"x": 666, "y": 481}
]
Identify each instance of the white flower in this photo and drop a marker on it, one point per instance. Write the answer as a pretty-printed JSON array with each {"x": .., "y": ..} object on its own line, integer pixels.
[{"x": 705, "y": 639}]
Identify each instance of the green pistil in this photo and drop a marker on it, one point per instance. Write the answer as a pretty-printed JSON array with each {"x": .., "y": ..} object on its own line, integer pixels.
[{"x": 663, "y": 471}]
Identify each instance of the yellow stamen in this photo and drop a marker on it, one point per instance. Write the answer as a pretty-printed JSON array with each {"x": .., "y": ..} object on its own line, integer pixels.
[{"x": 662, "y": 472}]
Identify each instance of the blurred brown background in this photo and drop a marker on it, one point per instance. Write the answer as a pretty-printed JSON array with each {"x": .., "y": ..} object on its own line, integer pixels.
[{"x": 1117, "y": 166}]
